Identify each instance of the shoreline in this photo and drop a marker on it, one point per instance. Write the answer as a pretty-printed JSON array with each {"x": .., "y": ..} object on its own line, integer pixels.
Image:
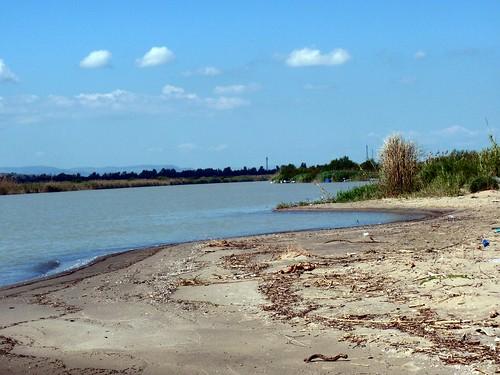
[
  {"x": 414, "y": 296},
  {"x": 151, "y": 250}
]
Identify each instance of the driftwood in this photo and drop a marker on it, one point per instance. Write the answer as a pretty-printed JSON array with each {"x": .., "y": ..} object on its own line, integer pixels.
[
  {"x": 299, "y": 267},
  {"x": 372, "y": 240},
  {"x": 326, "y": 358}
]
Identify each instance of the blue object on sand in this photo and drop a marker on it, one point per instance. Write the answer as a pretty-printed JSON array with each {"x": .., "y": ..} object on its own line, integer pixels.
[
  {"x": 497, "y": 230},
  {"x": 486, "y": 243}
]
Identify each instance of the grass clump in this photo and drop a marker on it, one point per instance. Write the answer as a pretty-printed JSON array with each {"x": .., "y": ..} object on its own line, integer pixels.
[
  {"x": 360, "y": 193},
  {"x": 398, "y": 165},
  {"x": 284, "y": 205}
]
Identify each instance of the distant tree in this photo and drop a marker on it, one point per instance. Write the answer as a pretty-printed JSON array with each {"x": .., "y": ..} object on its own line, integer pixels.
[
  {"x": 344, "y": 163},
  {"x": 287, "y": 172},
  {"x": 369, "y": 165}
]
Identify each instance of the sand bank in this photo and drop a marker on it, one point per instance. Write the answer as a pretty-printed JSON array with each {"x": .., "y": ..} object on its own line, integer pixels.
[{"x": 415, "y": 297}]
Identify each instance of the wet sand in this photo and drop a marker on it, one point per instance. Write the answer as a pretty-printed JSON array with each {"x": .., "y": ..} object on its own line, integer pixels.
[{"x": 418, "y": 297}]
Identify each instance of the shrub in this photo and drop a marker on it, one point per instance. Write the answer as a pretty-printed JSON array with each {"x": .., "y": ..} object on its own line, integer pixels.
[
  {"x": 398, "y": 162},
  {"x": 303, "y": 177},
  {"x": 447, "y": 174},
  {"x": 483, "y": 183}
]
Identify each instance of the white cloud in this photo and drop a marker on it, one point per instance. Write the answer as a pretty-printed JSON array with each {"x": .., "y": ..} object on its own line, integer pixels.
[
  {"x": 186, "y": 146},
  {"x": 419, "y": 55},
  {"x": 96, "y": 59},
  {"x": 175, "y": 92},
  {"x": 116, "y": 99},
  {"x": 208, "y": 71},
  {"x": 314, "y": 57},
  {"x": 224, "y": 103},
  {"x": 219, "y": 103},
  {"x": 156, "y": 56},
  {"x": 30, "y": 109},
  {"x": 6, "y": 74},
  {"x": 455, "y": 130},
  {"x": 235, "y": 89}
]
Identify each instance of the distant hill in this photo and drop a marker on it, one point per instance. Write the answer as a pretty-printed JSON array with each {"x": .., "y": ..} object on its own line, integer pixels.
[{"x": 84, "y": 171}]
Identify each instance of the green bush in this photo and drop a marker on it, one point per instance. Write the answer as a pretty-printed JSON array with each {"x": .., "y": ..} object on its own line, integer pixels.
[
  {"x": 303, "y": 177},
  {"x": 455, "y": 169},
  {"x": 483, "y": 183}
]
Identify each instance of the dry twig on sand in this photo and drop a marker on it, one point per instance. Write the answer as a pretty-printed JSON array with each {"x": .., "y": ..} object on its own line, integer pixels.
[{"x": 326, "y": 358}]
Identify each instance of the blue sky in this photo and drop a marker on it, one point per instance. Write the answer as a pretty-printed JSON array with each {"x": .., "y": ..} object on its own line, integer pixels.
[{"x": 211, "y": 84}]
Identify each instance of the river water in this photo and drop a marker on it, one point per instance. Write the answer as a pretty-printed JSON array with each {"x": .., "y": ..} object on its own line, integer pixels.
[{"x": 41, "y": 234}]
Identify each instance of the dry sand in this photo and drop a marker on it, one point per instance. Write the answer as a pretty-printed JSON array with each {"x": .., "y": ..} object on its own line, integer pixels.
[{"x": 417, "y": 297}]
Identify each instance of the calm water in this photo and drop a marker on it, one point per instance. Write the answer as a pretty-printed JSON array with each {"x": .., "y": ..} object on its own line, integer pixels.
[{"x": 42, "y": 234}]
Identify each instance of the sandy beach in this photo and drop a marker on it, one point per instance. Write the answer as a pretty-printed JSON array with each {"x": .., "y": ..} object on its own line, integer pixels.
[{"x": 418, "y": 297}]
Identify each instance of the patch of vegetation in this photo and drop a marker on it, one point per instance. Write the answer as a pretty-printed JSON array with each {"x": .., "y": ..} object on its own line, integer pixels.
[
  {"x": 448, "y": 173},
  {"x": 341, "y": 169},
  {"x": 441, "y": 277},
  {"x": 43, "y": 183},
  {"x": 457, "y": 172},
  {"x": 360, "y": 193},
  {"x": 399, "y": 165},
  {"x": 402, "y": 173},
  {"x": 483, "y": 183},
  {"x": 10, "y": 186},
  {"x": 284, "y": 205}
]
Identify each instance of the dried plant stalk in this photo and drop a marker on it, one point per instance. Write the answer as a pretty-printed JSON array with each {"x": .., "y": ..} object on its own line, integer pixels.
[{"x": 398, "y": 159}]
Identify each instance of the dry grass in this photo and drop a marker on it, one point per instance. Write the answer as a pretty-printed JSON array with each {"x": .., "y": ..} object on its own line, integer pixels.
[{"x": 398, "y": 160}]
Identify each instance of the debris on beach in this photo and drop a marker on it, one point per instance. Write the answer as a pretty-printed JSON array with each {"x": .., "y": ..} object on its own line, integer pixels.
[
  {"x": 292, "y": 253},
  {"x": 325, "y": 358},
  {"x": 195, "y": 281},
  {"x": 235, "y": 244},
  {"x": 299, "y": 268}
]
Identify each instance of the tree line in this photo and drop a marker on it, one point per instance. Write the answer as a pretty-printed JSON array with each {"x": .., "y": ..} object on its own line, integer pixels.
[
  {"x": 145, "y": 175},
  {"x": 336, "y": 170}
]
